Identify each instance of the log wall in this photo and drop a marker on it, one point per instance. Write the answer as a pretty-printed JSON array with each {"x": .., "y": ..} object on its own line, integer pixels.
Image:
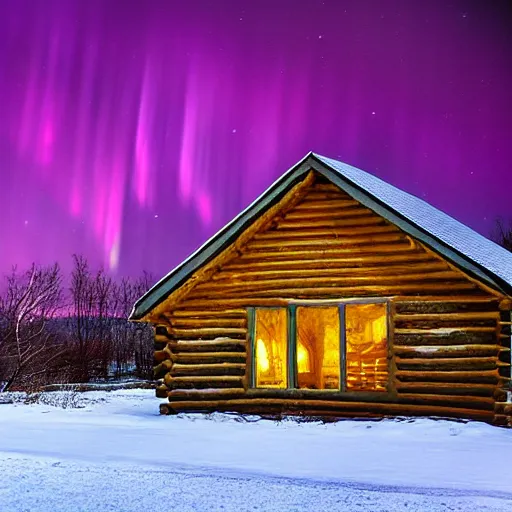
[{"x": 450, "y": 341}]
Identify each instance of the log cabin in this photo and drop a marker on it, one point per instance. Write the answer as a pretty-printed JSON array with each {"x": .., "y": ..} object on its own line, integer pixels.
[{"x": 335, "y": 294}]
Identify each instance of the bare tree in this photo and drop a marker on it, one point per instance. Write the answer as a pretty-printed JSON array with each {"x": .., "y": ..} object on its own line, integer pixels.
[
  {"x": 144, "y": 348},
  {"x": 502, "y": 234},
  {"x": 134, "y": 342},
  {"x": 90, "y": 319},
  {"x": 30, "y": 302}
]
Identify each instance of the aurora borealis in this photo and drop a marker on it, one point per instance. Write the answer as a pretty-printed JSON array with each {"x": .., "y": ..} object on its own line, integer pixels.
[{"x": 132, "y": 130}]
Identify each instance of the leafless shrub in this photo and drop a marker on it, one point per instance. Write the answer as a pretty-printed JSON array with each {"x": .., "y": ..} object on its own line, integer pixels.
[{"x": 68, "y": 398}]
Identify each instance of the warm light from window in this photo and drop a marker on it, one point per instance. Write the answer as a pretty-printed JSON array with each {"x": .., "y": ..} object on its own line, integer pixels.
[
  {"x": 303, "y": 364},
  {"x": 318, "y": 336},
  {"x": 271, "y": 348},
  {"x": 261, "y": 356},
  {"x": 366, "y": 335}
]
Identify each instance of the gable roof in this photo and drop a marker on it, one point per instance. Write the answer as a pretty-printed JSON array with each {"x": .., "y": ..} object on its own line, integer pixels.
[{"x": 458, "y": 243}]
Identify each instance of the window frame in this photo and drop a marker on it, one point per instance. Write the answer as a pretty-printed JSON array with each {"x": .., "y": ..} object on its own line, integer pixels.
[{"x": 291, "y": 353}]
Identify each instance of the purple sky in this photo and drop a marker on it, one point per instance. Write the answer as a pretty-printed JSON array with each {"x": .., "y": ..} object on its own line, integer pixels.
[{"x": 130, "y": 131}]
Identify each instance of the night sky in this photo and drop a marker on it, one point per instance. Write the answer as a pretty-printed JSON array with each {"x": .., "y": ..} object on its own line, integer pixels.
[{"x": 131, "y": 131}]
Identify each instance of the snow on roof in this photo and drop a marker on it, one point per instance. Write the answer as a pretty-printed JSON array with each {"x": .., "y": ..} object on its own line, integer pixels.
[{"x": 457, "y": 242}]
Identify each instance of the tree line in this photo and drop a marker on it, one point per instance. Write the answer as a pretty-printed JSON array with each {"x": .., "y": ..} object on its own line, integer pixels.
[{"x": 51, "y": 332}]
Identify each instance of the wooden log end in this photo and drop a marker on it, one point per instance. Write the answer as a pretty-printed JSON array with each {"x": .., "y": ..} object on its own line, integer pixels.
[
  {"x": 161, "y": 369},
  {"x": 162, "y": 391},
  {"x": 167, "y": 410}
]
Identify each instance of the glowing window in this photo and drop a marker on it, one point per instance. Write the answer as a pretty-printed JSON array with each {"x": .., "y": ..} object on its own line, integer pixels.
[
  {"x": 366, "y": 347},
  {"x": 271, "y": 347},
  {"x": 318, "y": 347},
  {"x": 342, "y": 347}
]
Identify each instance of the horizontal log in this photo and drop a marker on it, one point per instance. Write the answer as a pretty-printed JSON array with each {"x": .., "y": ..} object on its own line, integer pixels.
[
  {"x": 471, "y": 402},
  {"x": 179, "y": 368},
  {"x": 324, "y": 292},
  {"x": 203, "y": 382},
  {"x": 215, "y": 323},
  {"x": 455, "y": 388},
  {"x": 268, "y": 298},
  {"x": 447, "y": 351},
  {"x": 297, "y": 273},
  {"x": 208, "y": 369},
  {"x": 202, "y": 313},
  {"x": 337, "y": 232},
  {"x": 324, "y": 195},
  {"x": 344, "y": 241},
  {"x": 320, "y": 394},
  {"x": 313, "y": 203},
  {"x": 448, "y": 392},
  {"x": 273, "y": 254},
  {"x": 208, "y": 346},
  {"x": 451, "y": 338},
  {"x": 326, "y": 222},
  {"x": 454, "y": 324},
  {"x": 459, "y": 299},
  {"x": 209, "y": 357},
  {"x": 443, "y": 331},
  {"x": 449, "y": 317},
  {"x": 412, "y": 258},
  {"x": 247, "y": 404},
  {"x": 205, "y": 394},
  {"x": 475, "y": 376},
  {"x": 310, "y": 281},
  {"x": 313, "y": 194},
  {"x": 247, "y": 302},
  {"x": 207, "y": 331},
  {"x": 328, "y": 213},
  {"x": 447, "y": 307},
  {"x": 467, "y": 363},
  {"x": 460, "y": 395}
]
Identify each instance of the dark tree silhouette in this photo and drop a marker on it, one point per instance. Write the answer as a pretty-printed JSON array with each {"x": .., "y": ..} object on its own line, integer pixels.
[{"x": 502, "y": 234}]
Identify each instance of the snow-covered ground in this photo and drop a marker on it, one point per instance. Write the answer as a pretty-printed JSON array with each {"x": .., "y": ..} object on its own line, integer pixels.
[{"x": 118, "y": 454}]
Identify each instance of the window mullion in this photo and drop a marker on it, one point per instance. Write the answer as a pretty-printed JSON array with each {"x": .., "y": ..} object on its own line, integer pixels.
[
  {"x": 343, "y": 349},
  {"x": 292, "y": 346},
  {"x": 251, "y": 329}
]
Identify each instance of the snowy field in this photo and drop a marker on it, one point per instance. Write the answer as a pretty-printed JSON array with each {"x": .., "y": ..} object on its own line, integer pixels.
[{"x": 116, "y": 453}]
